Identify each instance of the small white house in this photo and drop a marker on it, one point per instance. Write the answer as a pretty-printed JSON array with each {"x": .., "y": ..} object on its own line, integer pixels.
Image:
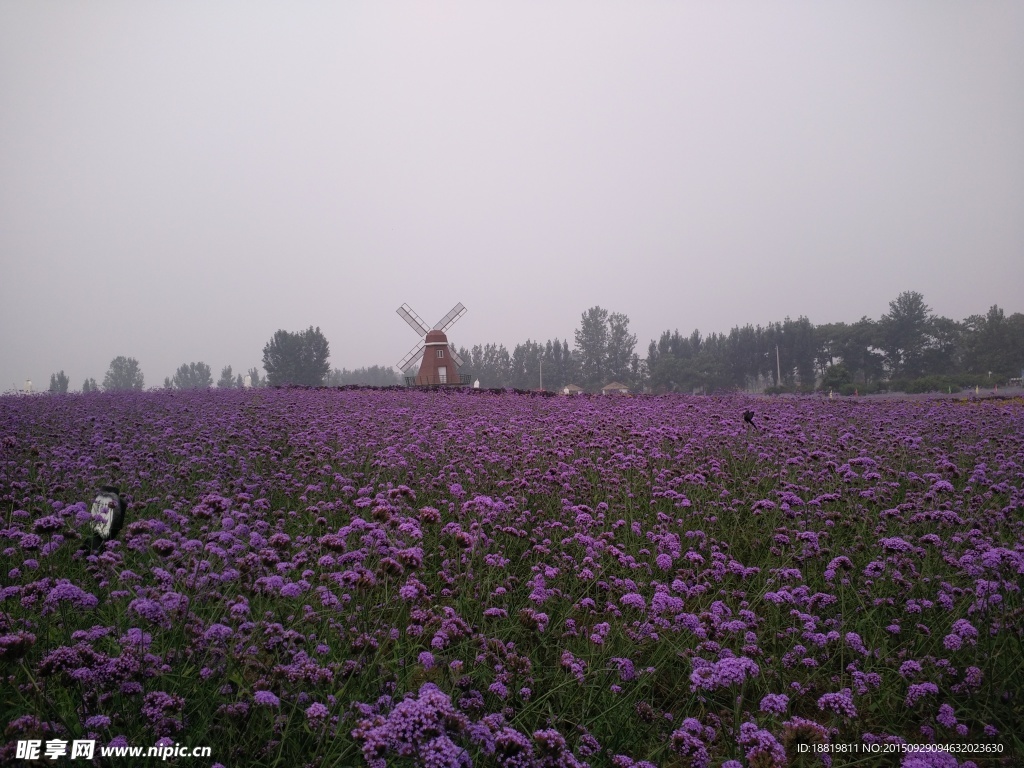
[{"x": 615, "y": 388}]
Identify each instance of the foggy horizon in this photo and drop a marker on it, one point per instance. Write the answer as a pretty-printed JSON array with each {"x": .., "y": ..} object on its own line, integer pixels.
[
  {"x": 179, "y": 182},
  {"x": 41, "y": 384}
]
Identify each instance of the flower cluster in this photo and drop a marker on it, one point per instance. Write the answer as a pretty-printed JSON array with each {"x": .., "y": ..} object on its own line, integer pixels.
[
  {"x": 722, "y": 674},
  {"x": 504, "y": 579}
]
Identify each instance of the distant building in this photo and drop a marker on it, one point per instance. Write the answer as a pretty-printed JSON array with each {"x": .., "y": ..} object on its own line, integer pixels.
[
  {"x": 572, "y": 389},
  {"x": 615, "y": 388}
]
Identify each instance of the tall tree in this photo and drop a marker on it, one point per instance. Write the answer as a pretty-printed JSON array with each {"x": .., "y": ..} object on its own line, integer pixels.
[
  {"x": 904, "y": 334},
  {"x": 743, "y": 356},
  {"x": 944, "y": 347},
  {"x": 192, "y": 376},
  {"x": 254, "y": 378},
  {"x": 826, "y": 339},
  {"x": 798, "y": 338},
  {"x": 526, "y": 363},
  {"x": 227, "y": 378},
  {"x": 990, "y": 348},
  {"x": 712, "y": 364},
  {"x": 859, "y": 348},
  {"x": 59, "y": 382},
  {"x": 124, "y": 373},
  {"x": 638, "y": 372},
  {"x": 620, "y": 350},
  {"x": 592, "y": 347},
  {"x": 315, "y": 351},
  {"x": 559, "y": 365},
  {"x": 90, "y": 385},
  {"x": 297, "y": 358},
  {"x": 490, "y": 364},
  {"x": 672, "y": 362}
]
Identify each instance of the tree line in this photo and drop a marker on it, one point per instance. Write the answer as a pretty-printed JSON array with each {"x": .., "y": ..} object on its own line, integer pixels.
[
  {"x": 908, "y": 349},
  {"x": 604, "y": 352},
  {"x": 298, "y": 358}
]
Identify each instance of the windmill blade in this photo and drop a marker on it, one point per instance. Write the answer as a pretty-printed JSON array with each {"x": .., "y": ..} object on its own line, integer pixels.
[
  {"x": 414, "y": 321},
  {"x": 455, "y": 356},
  {"x": 412, "y": 358},
  {"x": 448, "y": 320}
]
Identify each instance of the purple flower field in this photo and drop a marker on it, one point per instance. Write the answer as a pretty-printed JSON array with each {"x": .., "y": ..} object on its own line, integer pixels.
[{"x": 415, "y": 578}]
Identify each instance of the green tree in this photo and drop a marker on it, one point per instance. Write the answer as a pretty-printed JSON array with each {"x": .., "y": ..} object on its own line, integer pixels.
[
  {"x": 672, "y": 362},
  {"x": 712, "y": 364},
  {"x": 991, "y": 346},
  {"x": 943, "y": 350},
  {"x": 674, "y": 374},
  {"x": 559, "y": 365},
  {"x": 592, "y": 348},
  {"x": 826, "y": 338},
  {"x": 620, "y": 350},
  {"x": 124, "y": 374},
  {"x": 297, "y": 358},
  {"x": 526, "y": 362},
  {"x": 254, "y": 378},
  {"x": 59, "y": 382},
  {"x": 743, "y": 356},
  {"x": 858, "y": 347},
  {"x": 490, "y": 364},
  {"x": 239, "y": 382},
  {"x": 90, "y": 386},
  {"x": 192, "y": 376},
  {"x": 227, "y": 379},
  {"x": 836, "y": 377},
  {"x": 904, "y": 334},
  {"x": 799, "y": 340}
]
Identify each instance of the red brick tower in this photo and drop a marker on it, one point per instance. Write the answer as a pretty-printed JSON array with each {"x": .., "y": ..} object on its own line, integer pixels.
[{"x": 438, "y": 366}]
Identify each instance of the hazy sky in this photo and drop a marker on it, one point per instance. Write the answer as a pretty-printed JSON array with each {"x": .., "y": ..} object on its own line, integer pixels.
[{"x": 179, "y": 180}]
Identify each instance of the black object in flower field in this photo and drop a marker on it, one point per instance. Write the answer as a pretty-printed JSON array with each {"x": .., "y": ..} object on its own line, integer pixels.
[
  {"x": 748, "y": 417},
  {"x": 107, "y": 512}
]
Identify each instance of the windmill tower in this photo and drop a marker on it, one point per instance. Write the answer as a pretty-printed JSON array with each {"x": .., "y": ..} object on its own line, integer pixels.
[{"x": 439, "y": 363}]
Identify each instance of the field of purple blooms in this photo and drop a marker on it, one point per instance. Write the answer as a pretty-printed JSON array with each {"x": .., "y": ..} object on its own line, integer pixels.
[{"x": 417, "y": 578}]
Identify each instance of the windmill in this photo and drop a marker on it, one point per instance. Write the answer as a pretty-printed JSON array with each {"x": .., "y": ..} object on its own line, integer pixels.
[{"x": 440, "y": 363}]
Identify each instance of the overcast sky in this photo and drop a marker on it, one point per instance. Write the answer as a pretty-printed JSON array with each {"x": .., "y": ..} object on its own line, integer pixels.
[{"x": 180, "y": 180}]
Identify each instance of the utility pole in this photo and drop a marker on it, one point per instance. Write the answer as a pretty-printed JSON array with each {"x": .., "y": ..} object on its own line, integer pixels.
[{"x": 778, "y": 369}]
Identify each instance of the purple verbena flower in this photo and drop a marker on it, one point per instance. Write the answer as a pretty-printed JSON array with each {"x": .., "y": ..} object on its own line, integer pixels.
[
  {"x": 776, "y": 703},
  {"x": 841, "y": 703},
  {"x": 266, "y": 699}
]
